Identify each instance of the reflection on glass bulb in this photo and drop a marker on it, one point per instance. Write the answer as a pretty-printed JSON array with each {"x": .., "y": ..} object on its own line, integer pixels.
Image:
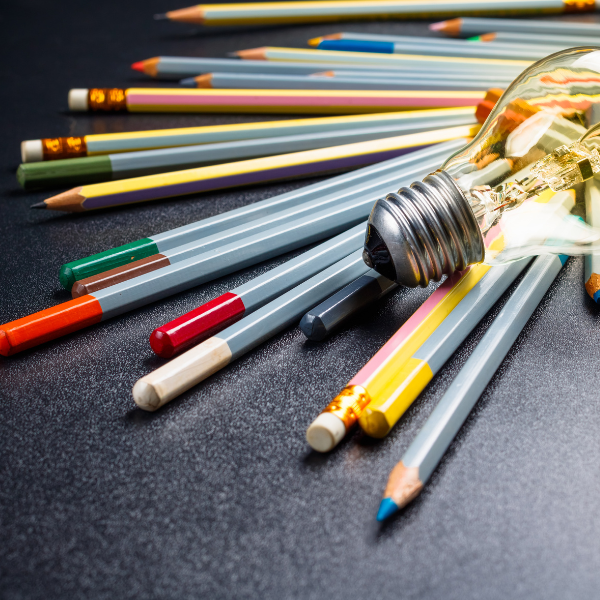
[{"x": 537, "y": 139}]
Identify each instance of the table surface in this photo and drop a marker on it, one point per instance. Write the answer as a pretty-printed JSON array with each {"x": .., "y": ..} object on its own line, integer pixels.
[{"x": 218, "y": 495}]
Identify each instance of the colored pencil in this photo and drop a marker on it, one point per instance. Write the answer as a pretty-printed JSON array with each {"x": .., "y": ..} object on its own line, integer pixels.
[
  {"x": 592, "y": 217},
  {"x": 207, "y": 320},
  {"x": 455, "y": 49},
  {"x": 456, "y": 64},
  {"x": 156, "y": 244},
  {"x": 79, "y": 171},
  {"x": 177, "y": 67},
  {"x": 258, "y": 170},
  {"x": 424, "y": 454},
  {"x": 358, "y": 200},
  {"x": 190, "y": 368},
  {"x": 470, "y": 26},
  {"x": 265, "y": 101},
  {"x": 263, "y": 13},
  {"x": 132, "y": 141},
  {"x": 490, "y": 79},
  {"x": 87, "y": 310},
  {"x": 473, "y": 290},
  {"x": 323, "y": 319},
  {"x": 304, "y": 82},
  {"x": 383, "y": 412},
  {"x": 541, "y": 39}
]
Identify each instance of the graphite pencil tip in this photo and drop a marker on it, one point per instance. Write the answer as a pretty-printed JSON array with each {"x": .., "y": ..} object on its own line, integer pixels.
[
  {"x": 161, "y": 17},
  {"x": 386, "y": 509},
  {"x": 188, "y": 82},
  {"x": 39, "y": 205}
]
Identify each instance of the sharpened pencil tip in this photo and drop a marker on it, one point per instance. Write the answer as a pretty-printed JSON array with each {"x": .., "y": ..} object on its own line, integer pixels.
[
  {"x": 161, "y": 17},
  {"x": 386, "y": 509},
  {"x": 39, "y": 205},
  {"x": 188, "y": 82},
  {"x": 138, "y": 66}
]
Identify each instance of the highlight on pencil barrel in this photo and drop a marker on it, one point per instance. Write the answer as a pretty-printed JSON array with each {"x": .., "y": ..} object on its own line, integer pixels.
[
  {"x": 344, "y": 186},
  {"x": 190, "y": 368}
]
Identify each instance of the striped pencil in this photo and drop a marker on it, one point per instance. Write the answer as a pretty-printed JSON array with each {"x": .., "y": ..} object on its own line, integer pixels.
[
  {"x": 475, "y": 291},
  {"x": 342, "y": 185},
  {"x": 115, "y": 300},
  {"x": 424, "y": 454},
  {"x": 214, "y": 316},
  {"x": 263, "y": 13},
  {"x": 303, "y": 82},
  {"x": 190, "y": 368},
  {"x": 112, "y": 143},
  {"x": 258, "y": 170},
  {"x": 450, "y": 64},
  {"x": 323, "y": 319},
  {"x": 79, "y": 171},
  {"x": 260, "y": 101},
  {"x": 454, "y": 48},
  {"x": 177, "y": 67},
  {"x": 592, "y": 261},
  {"x": 384, "y": 411},
  {"x": 470, "y": 26},
  {"x": 357, "y": 200}
]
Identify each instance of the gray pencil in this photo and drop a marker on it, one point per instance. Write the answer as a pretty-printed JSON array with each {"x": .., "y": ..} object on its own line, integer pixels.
[
  {"x": 123, "y": 165},
  {"x": 352, "y": 205},
  {"x": 321, "y": 320},
  {"x": 542, "y": 39},
  {"x": 259, "y": 81},
  {"x": 155, "y": 244},
  {"x": 189, "y": 369},
  {"x": 490, "y": 79},
  {"x": 424, "y": 454},
  {"x": 469, "y": 26}
]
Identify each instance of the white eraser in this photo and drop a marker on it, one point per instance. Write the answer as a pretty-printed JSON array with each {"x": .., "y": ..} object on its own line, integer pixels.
[
  {"x": 32, "y": 151},
  {"x": 325, "y": 432},
  {"x": 78, "y": 100}
]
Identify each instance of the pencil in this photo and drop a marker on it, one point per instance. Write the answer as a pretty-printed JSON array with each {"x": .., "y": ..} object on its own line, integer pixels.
[
  {"x": 93, "y": 169},
  {"x": 323, "y": 319},
  {"x": 424, "y": 454},
  {"x": 132, "y": 141},
  {"x": 264, "y": 101},
  {"x": 383, "y": 412},
  {"x": 247, "y": 172},
  {"x": 263, "y": 13},
  {"x": 90, "y": 309},
  {"x": 156, "y": 244},
  {"x": 303, "y": 82},
  {"x": 207, "y": 320},
  {"x": 448, "y": 63},
  {"x": 190, "y": 368},
  {"x": 476, "y": 26},
  {"x": 472, "y": 290},
  {"x": 454, "y": 48},
  {"x": 592, "y": 217},
  {"x": 541, "y": 39},
  {"x": 357, "y": 200},
  {"x": 177, "y": 67}
]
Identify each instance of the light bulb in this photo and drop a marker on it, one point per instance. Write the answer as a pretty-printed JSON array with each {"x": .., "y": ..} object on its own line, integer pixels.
[{"x": 536, "y": 138}]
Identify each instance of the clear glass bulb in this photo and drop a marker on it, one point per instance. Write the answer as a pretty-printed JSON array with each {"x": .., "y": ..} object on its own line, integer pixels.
[{"x": 540, "y": 137}]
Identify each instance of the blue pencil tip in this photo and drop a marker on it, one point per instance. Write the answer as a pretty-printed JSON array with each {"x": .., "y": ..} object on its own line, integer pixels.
[
  {"x": 188, "y": 82},
  {"x": 386, "y": 509}
]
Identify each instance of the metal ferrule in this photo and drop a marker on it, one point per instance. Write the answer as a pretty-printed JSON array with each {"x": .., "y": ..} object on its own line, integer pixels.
[
  {"x": 423, "y": 232},
  {"x": 349, "y": 404}
]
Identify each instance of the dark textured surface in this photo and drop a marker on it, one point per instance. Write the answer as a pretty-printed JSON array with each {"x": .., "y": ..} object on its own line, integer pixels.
[{"x": 217, "y": 495}]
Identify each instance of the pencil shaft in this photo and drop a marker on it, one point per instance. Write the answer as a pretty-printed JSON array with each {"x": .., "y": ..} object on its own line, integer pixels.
[
  {"x": 592, "y": 261},
  {"x": 491, "y": 79},
  {"x": 97, "y": 263},
  {"x": 548, "y": 39},
  {"x": 444, "y": 423}
]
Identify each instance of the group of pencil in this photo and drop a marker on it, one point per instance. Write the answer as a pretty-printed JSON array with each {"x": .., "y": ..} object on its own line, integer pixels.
[{"x": 401, "y": 105}]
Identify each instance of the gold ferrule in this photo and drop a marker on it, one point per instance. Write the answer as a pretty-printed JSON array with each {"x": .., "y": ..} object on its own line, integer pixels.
[
  {"x": 107, "y": 99},
  {"x": 579, "y": 5},
  {"x": 63, "y": 147},
  {"x": 349, "y": 404}
]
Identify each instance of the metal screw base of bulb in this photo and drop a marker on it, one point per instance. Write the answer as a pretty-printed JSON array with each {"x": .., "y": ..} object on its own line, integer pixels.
[{"x": 423, "y": 232}]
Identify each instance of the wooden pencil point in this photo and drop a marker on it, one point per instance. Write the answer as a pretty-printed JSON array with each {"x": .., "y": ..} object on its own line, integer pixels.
[
  {"x": 450, "y": 27},
  {"x": 193, "y": 15},
  {"x": 403, "y": 485},
  {"x": 69, "y": 201},
  {"x": 252, "y": 54},
  {"x": 204, "y": 81}
]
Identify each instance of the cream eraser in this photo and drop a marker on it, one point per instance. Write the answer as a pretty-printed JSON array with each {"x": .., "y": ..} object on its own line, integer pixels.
[
  {"x": 78, "y": 100},
  {"x": 32, "y": 151},
  {"x": 325, "y": 432},
  {"x": 145, "y": 396}
]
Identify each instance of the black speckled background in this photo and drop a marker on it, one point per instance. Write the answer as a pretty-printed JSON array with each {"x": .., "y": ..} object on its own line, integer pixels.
[{"x": 217, "y": 495}]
